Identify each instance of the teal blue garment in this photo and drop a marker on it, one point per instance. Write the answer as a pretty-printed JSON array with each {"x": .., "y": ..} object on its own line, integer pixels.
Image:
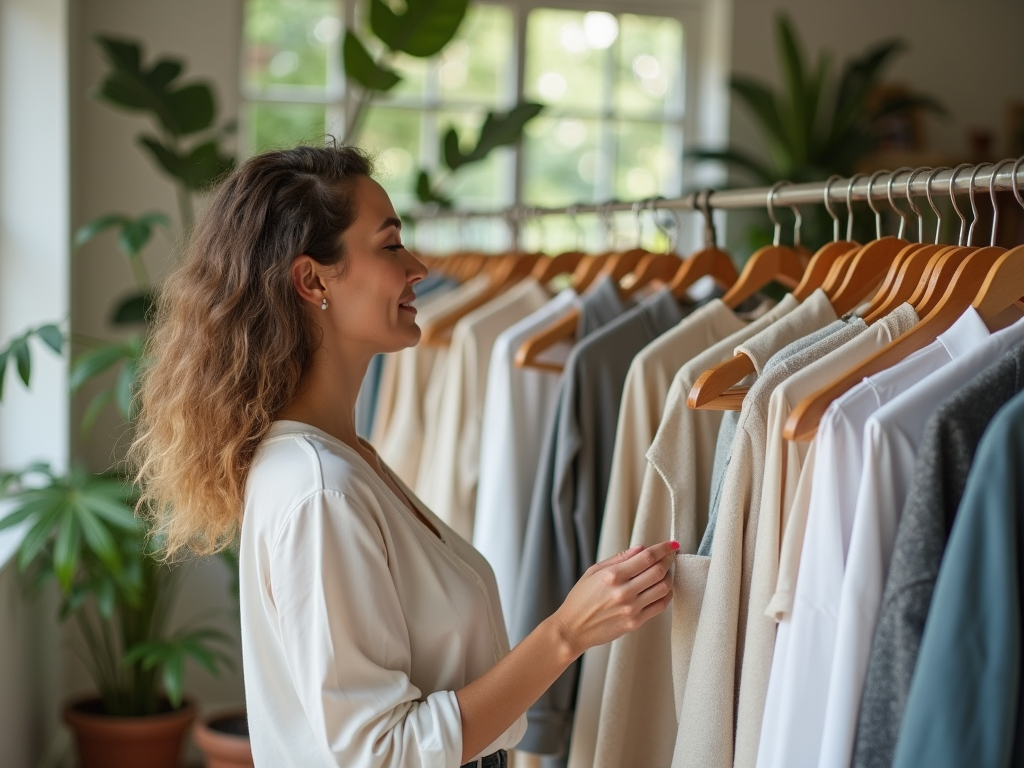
[{"x": 964, "y": 706}]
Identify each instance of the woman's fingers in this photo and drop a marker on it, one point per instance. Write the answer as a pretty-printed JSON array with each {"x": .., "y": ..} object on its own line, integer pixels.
[
  {"x": 647, "y": 558},
  {"x": 657, "y": 591},
  {"x": 617, "y": 558},
  {"x": 652, "y": 576}
]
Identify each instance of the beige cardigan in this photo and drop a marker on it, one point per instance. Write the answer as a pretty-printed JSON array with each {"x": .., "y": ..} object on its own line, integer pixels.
[{"x": 710, "y": 627}]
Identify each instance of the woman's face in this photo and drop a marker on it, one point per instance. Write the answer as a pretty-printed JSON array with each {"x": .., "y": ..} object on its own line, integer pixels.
[{"x": 370, "y": 300}]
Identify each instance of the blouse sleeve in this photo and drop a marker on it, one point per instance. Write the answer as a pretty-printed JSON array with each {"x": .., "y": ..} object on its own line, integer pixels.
[{"x": 347, "y": 644}]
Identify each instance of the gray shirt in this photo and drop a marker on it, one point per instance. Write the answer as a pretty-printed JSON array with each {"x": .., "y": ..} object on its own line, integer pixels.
[
  {"x": 948, "y": 445},
  {"x": 569, "y": 495}
]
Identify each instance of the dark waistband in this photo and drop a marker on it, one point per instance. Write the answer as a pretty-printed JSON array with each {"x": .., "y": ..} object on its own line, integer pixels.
[{"x": 497, "y": 759}]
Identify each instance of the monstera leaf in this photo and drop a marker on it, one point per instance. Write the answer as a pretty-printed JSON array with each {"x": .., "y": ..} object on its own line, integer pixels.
[
  {"x": 422, "y": 30},
  {"x": 498, "y": 130}
]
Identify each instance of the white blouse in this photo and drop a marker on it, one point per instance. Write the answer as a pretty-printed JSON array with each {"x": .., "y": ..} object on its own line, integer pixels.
[{"x": 358, "y": 623}]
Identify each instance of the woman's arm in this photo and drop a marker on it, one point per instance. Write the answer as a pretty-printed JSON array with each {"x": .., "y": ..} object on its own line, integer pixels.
[{"x": 612, "y": 598}]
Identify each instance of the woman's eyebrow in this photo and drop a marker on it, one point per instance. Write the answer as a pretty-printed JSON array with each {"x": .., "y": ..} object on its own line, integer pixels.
[{"x": 390, "y": 221}]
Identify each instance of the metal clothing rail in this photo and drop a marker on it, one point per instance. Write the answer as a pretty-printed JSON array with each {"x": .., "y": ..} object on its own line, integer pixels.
[{"x": 922, "y": 180}]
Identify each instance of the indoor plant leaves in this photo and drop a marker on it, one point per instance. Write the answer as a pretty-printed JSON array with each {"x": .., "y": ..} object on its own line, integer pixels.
[{"x": 422, "y": 30}]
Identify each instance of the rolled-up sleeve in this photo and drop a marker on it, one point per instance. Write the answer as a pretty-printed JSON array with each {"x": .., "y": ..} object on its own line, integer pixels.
[{"x": 347, "y": 644}]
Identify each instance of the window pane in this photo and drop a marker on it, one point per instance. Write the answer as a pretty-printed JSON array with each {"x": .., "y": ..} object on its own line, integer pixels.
[
  {"x": 474, "y": 66},
  {"x": 393, "y": 135},
  {"x": 566, "y": 52},
  {"x": 649, "y": 71},
  {"x": 275, "y": 126},
  {"x": 287, "y": 41},
  {"x": 413, "y": 70},
  {"x": 646, "y": 166},
  {"x": 561, "y": 161}
]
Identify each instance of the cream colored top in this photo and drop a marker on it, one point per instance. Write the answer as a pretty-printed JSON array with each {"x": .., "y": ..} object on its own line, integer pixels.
[
  {"x": 410, "y": 387},
  {"x": 450, "y": 465},
  {"x": 358, "y": 622}
]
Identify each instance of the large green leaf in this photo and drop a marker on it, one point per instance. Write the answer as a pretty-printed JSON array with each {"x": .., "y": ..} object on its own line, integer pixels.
[
  {"x": 197, "y": 169},
  {"x": 95, "y": 361},
  {"x": 180, "y": 110},
  {"x": 135, "y": 233},
  {"x": 762, "y": 103},
  {"x": 50, "y": 334},
  {"x": 425, "y": 192},
  {"x": 138, "y": 308},
  {"x": 857, "y": 81},
  {"x": 360, "y": 66},
  {"x": 23, "y": 358},
  {"x": 423, "y": 29},
  {"x": 499, "y": 129},
  {"x": 798, "y": 119},
  {"x": 90, "y": 230}
]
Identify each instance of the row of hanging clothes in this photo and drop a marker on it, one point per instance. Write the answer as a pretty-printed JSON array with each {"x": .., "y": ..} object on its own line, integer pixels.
[{"x": 840, "y": 467}]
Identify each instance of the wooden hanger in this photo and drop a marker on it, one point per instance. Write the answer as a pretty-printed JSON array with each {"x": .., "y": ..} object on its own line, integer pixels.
[
  {"x": 964, "y": 289},
  {"x": 653, "y": 266},
  {"x": 548, "y": 268},
  {"x": 774, "y": 262},
  {"x": 709, "y": 260},
  {"x": 1003, "y": 284},
  {"x": 821, "y": 263},
  {"x": 512, "y": 269},
  {"x": 869, "y": 265}
]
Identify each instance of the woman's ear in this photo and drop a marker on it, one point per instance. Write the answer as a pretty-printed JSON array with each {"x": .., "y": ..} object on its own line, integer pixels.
[{"x": 307, "y": 280}]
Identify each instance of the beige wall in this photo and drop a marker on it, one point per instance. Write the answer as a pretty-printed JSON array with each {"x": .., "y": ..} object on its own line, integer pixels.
[
  {"x": 111, "y": 174},
  {"x": 964, "y": 54}
]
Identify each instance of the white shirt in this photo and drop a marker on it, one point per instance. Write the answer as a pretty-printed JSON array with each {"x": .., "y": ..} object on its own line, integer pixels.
[
  {"x": 450, "y": 464},
  {"x": 891, "y": 437},
  {"x": 803, "y": 687},
  {"x": 358, "y": 622},
  {"x": 518, "y": 406}
]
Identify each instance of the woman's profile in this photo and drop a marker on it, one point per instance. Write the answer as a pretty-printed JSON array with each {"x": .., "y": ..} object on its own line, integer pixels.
[{"x": 372, "y": 634}]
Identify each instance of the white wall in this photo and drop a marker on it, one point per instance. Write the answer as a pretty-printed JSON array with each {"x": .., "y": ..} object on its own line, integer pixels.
[{"x": 34, "y": 200}]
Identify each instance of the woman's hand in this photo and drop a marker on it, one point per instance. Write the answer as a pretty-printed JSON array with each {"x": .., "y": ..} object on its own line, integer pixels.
[{"x": 616, "y": 596}]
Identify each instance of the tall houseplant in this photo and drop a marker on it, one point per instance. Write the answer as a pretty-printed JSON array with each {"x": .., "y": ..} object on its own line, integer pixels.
[
  {"x": 81, "y": 531},
  {"x": 815, "y": 124}
]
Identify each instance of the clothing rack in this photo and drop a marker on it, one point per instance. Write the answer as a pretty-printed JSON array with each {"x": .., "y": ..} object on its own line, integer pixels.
[{"x": 787, "y": 195}]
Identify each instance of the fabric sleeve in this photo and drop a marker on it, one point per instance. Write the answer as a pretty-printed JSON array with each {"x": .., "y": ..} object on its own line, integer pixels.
[{"x": 347, "y": 644}]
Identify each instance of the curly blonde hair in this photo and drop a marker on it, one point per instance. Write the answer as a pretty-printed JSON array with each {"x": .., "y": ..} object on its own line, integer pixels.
[{"x": 231, "y": 343}]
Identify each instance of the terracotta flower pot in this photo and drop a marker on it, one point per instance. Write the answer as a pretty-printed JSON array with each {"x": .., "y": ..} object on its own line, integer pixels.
[
  {"x": 105, "y": 741},
  {"x": 224, "y": 739}
]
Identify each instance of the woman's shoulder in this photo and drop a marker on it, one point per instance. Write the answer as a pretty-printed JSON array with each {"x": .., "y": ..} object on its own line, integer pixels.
[{"x": 296, "y": 461}]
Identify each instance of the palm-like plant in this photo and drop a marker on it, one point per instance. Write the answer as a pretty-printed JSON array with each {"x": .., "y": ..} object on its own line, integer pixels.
[
  {"x": 80, "y": 527},
  {"x": 814, "y": 125}
]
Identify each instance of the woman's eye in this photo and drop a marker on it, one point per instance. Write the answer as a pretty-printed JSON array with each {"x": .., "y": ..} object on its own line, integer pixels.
[{"x": 394, "y": 248}]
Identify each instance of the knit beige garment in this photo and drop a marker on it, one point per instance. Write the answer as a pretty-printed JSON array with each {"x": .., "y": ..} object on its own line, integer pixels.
[
  {"x": 706, "y": 720},
  {"x": 643, "y": 399},
  {"x": 398, "y": 437},
  {"x": 636, "y": 697}
]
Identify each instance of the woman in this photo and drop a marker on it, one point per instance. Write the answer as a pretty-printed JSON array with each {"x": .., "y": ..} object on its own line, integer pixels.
[{"x": 371, "y": 633}]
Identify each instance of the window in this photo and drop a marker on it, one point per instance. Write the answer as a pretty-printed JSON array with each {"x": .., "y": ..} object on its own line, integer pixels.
[{"x": 614, "y": 86}]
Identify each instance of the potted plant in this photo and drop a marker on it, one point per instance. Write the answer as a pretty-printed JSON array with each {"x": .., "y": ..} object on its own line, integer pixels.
[{"x": 81, "y": 530}]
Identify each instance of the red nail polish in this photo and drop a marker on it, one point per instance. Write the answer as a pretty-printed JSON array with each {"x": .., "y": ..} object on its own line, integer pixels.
[{"x": 675, "y": 545}]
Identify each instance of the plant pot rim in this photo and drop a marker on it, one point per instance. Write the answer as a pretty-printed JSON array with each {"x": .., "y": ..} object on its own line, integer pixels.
[{"x": 73, "y": 713}]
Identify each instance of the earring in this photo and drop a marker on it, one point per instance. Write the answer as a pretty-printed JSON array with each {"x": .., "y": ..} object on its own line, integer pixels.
[{"x": 323, "y": 304}]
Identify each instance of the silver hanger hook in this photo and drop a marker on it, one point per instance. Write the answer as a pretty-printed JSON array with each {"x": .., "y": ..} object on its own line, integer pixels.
[
  {"x": 605, "y": 214},
  {"x": 992, "y": 197},
  {"x": 577, "y": 229},
  {"x": 672, "y": 234},
  {"x": 639, "y": 224},
  {"x": 914, "y": 208},
  {"x": 796, "y": 225},
  {"x": 974, "y": 204},
  {"x": 1013, "y": 180},
  {"x": 871, "y": 205},
  {"x": 952, "y": 197},
  {"x": 777, "y": 235},
  {"x": 704, "y": 205},
  {"x": 828, "y": 206},
  {"x": 928, "y": 195},
  {"x": 849, "y": 204},
  {"x": 892, "y": 203}
]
